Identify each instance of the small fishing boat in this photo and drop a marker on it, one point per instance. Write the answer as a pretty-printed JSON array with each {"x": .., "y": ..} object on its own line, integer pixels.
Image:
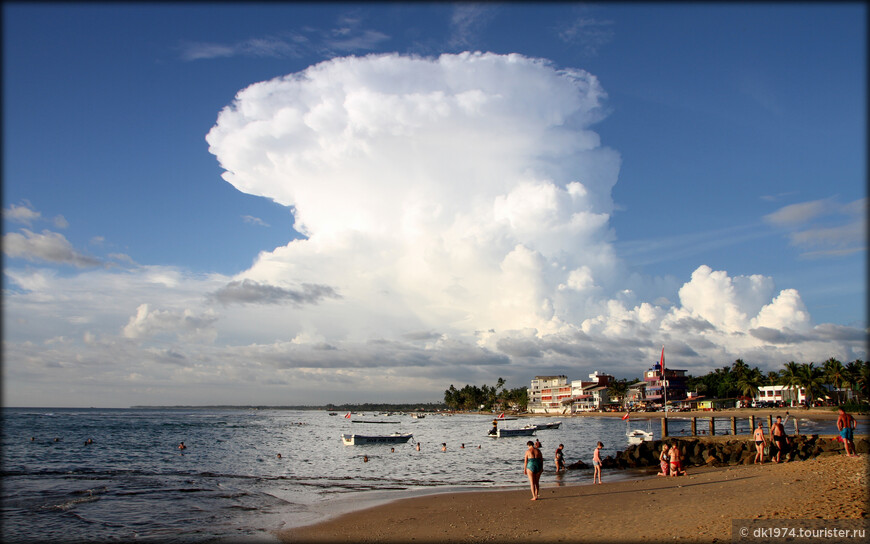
[
  {"x": 372, "y": 421},
  {"x": 502, "y": 417},
  {"x": 542, "y": 426},
  {"x": 637, "y": 436},
  {"x": 418, "y": 416},
  {"x": 502, "y": 433},
  {"x": 358, "y": 439},
  {"x": 333, "y": 414}
]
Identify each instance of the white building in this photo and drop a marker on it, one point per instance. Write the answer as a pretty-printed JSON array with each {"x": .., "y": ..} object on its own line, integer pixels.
[{"x": 547, "y": 393}]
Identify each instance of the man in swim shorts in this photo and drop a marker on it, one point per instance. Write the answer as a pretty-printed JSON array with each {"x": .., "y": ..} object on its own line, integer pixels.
[
  {"x": 846, "y": 424},
  {"x": 778, "y": 437}
]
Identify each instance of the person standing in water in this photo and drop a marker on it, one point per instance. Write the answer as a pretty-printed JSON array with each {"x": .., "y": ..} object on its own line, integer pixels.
[
  {"x": 596, "y": 462},
  {"x": 533, "y": 466},
  {"x": 560, "y": 459}
]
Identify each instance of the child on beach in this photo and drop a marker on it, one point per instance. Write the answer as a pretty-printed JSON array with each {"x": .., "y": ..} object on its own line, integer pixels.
[
  {"x": 664, "y": 461},
  {"x": 560, "y": 459},
  {"x": 596, "y": 462}
]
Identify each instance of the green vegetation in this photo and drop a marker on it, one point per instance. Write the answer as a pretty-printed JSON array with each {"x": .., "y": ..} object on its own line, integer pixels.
[
  {"x": 739, "y": 379},
  {"x": 472, "y": 397}
]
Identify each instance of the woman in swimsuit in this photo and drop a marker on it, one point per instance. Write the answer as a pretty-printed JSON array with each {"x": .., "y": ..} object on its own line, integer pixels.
[
  {"x": 533, "y": 466},
  {"x": 676, "y": 462},
  {"x": 760, "y": 442},
  {"x": 664, "y": 462}
]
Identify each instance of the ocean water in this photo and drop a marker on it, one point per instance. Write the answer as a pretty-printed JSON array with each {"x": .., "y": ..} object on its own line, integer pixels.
[{"x": 133, "y": 483}]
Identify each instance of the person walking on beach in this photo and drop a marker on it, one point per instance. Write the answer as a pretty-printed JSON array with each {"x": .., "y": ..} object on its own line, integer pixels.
[
  {"x": 760, "y": 442},
  {"x": 596, "y": 462},
  {"x": 778, "y": 437},
  {"x": 664, "y": 461},
  {"x": 560, "y": 459},
  {"x": 846, "y": 425},
  {"x": 533, "y": 466}
]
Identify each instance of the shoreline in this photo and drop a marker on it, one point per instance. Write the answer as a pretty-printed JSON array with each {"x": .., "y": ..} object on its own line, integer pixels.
[{"x": 830, "y": 487}]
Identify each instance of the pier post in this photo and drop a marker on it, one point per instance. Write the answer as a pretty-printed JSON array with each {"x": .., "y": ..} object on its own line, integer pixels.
[
  {"x": 712, "y": 426},
  {"x": 796, "y": 431},
  {"x": 751, "y": 424},
  {"x": 694, "y": 428},
  {"x": 733, "y": 426},
  {"x": 769, "y": 421},
  {"x": 664, "y": 427}
]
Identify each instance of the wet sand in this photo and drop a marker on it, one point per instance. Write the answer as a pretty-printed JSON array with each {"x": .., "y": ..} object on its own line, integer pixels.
[{"x": 698, "y": 507}]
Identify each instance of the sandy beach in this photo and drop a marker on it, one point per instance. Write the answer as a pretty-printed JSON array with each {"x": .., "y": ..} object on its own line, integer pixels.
[{"x": 697, "y": 507}]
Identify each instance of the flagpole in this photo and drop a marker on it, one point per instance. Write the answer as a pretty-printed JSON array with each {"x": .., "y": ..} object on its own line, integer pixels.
[{"x": 664, "y": 382}]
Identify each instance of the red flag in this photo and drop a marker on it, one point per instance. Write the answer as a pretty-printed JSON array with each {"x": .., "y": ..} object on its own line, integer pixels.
[
  {"x": 625, "y": 416},
  {"x": 347, "y": 416},
  {"x": 501, "y": 415},
  {"x": 662, "y": 362}
]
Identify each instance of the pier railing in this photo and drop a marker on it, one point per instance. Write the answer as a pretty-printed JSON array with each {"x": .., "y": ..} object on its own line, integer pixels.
[{"x": 733, "y": 429}]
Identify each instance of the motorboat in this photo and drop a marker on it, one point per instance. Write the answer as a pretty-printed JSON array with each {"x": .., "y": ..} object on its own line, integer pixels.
[
  {"x": 502, "y": 433},
  {"x": 372, "y": 421},
  {"x": 542, "y": 426},
  {"x": 637, "y": 436},
  {"x": 358, "y": 439},
  {"x": 418, "y": 416}
]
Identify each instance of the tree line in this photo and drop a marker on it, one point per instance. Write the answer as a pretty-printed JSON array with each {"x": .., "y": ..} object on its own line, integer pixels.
[
  {"x": 485, "y": 397},
  {"x": 739, "y": 379}
]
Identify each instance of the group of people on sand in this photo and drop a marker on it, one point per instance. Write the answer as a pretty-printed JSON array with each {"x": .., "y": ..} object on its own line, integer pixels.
[
  {"x": 671, "y": 461},
  {"x": 533, "y": 464},
  {"x": 778, "y": 440}
]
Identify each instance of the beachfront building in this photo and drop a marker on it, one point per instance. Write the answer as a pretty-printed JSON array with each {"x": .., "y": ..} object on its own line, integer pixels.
[
  {"x": 635, "y": 398},
  {"x": 796, "y": 396},
  {"x": 546, "y": 394},
  {"x": 675, "y": 382},
  {"x": 589, "y": 395}
]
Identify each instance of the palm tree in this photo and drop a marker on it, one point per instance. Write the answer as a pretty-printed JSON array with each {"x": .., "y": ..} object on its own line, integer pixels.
[
  {"x": 790, "y": 377},
  {"x": 852, "y": 374},
  {"x": 739, "y": 369},
  {"x": 750, "y": 381},
  {"x": 811, "y": 380},
  {"x": 835, "y": 374},
  {"x": 617, "y": 389},
  {"x": 862, "y": 378}
]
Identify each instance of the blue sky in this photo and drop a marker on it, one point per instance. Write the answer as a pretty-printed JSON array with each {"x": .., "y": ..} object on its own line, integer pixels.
[{"x": 588, "y": 183}]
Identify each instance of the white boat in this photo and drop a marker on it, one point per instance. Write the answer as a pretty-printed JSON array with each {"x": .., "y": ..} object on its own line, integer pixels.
[
  {"x": 373, "y": 421},
  {"x": 541, "y": 426},
  {"x": 502, "y": 433},
  {"x": 357, "y": 439},
  {"x": 418, "y": 416},
  {"x": 637, "y": 436}
]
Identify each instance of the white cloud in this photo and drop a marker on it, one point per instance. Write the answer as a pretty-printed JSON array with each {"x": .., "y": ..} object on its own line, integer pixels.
[
  {"x": 47, "y": 246},
  {"x": 21, "y": 214},
  {"x": 824, "y": 228},
  {"x": 456, "y": 212}
]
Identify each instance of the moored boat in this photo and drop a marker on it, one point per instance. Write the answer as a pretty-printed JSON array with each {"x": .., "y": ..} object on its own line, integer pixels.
[
  {"x": 541, "y": 426},
  {"x": 372, "y": 421},
  {"x": 358, "y": 439},
  {"x": 637, "y": 436},
  {"x": 502, "y": 433}
]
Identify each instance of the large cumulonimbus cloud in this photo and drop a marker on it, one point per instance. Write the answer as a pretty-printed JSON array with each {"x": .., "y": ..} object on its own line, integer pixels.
[
  {"x": 467, "y": 195},
  {"x": 466, "y": 191}
]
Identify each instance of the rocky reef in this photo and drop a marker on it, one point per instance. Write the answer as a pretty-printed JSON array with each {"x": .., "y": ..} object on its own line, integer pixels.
[{"x": 706, "y": 452}]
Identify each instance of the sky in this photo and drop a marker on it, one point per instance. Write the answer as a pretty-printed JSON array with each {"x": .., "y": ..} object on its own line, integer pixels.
[{"x": 291, "y": 204}]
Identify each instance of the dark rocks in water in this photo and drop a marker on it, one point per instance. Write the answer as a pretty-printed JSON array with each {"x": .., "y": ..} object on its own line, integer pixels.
[
  {"x": 577, "y": 465},
  {"x": 699, "y": 452}
]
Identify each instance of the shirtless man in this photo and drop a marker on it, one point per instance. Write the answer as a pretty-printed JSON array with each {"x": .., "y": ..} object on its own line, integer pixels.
[
  {"x": 759, "y": 443},
  {"x": 845, "y": 425},
  {"x": 778, "y": 437}
]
